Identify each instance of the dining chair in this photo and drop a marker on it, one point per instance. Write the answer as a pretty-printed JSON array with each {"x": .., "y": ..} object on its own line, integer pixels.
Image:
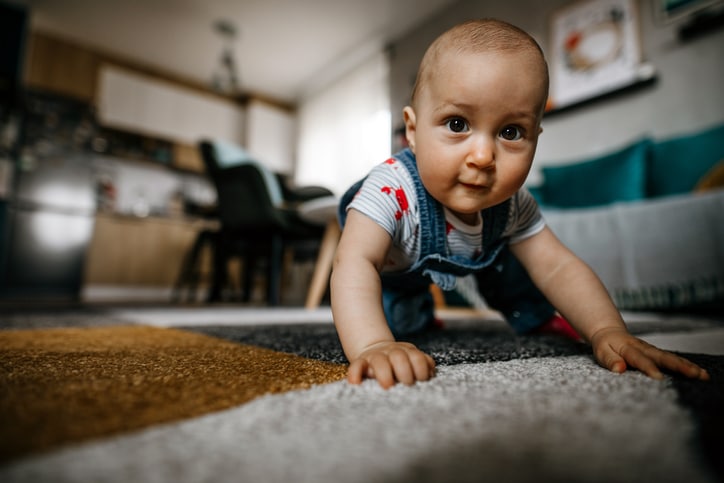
[{"x": 257, "y": 222}]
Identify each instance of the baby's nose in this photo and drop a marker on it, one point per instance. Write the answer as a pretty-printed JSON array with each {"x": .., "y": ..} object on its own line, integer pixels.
[{"x": 481, "y": 154}]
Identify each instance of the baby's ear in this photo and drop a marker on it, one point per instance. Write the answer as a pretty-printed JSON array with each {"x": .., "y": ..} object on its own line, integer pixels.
[{"x": 408, "y": 114}]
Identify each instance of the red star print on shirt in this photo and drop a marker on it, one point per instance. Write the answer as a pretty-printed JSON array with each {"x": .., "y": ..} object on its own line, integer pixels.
[{"x": 401, "y": 200}]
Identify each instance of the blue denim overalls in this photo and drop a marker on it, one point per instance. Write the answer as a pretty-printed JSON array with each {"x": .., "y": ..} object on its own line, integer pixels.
[{"x": 406, "y": 298}]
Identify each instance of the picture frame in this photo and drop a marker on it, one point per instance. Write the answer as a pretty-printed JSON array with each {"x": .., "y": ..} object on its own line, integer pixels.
[
  {"x": 670, "y": 11},
  {"x": 596, "y": 50}
]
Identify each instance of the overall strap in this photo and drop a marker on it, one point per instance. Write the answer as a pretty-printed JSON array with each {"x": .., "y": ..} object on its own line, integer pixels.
[
  {"x": 495, "y": 219},
  {"x": 431, "y": 211}
]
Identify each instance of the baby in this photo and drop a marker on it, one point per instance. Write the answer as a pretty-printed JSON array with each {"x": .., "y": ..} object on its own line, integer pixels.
[{"x": 453, "y": 204}]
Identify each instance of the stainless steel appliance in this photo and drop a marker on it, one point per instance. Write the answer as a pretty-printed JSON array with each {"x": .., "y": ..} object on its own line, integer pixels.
[{"x": 49, "y": 217}]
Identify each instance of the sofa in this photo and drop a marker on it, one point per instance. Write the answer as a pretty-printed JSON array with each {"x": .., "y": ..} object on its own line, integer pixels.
[{"x": 648, "y": 218}]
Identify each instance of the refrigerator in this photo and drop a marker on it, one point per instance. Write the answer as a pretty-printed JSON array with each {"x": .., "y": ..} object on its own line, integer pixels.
[
  {"x": 47, "y": 221},
  {"x": 49, "y": 204}
]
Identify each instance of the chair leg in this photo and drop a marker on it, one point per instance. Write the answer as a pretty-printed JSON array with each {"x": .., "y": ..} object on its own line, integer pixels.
[
  {"x": 219, "y": 277},
  {"x": 249, "y": 268},
  {"x": 189, "y": 274},
  {"x": 181, "y": 280},
  {"x": 192, "y": 277},
  {"x": 276, "y": 253}
]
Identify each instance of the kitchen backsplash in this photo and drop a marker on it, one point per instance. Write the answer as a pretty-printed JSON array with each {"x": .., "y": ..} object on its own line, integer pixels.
[{"x": 143, "y": 189}]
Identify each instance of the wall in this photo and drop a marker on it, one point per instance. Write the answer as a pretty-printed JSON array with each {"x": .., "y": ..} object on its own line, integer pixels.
[
  {"x": 344, "y": 129},
  {"x": 687, "y": 97}
]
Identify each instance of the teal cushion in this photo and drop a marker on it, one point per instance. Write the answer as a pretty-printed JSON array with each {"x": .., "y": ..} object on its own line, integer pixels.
[
  {"x": 537, "y": 192},
  {"x": 619, "y": 176},
  {"x": 679, "y": 163},
  {"x": 229, "y": 154}
]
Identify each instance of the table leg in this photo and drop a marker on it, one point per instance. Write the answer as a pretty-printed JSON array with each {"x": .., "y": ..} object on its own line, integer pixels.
[{"x": 323, "y": 265}]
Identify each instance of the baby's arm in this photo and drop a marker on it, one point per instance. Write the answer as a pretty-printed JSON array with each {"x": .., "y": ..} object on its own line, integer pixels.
[
  {"x": 578, "y": 294},
  {"x": 356, "y": 292}
]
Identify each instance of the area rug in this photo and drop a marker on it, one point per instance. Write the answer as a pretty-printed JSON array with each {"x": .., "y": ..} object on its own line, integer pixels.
[{"x": 501, "y": 408}]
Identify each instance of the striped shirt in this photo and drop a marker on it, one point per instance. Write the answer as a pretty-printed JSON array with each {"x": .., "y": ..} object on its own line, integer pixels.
[{"x": 388, "y": 197}]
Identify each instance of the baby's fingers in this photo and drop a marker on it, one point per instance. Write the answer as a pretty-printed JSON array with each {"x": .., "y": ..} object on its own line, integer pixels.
[
  {"x": 357, "y": 371},
  {"x": 651, "y": 360},
  {"x": 423, "y": 366},
  {"x": 611, "y": 360},
  {"x": 411, "y": 366},
  {"x": 381, "y": 369},
  {"x": 638, "y": 359},
  {"x": 672, "y": 362},
  {"x": 402, "y": 367},
  {"x": 363, "y": 369},
  {"x": 627, "y": 356}
]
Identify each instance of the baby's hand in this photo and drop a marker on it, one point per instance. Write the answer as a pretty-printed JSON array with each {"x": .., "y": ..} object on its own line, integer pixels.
[
  {"x": 391, "y": 362},
  {"x": 615, "y": 349}
]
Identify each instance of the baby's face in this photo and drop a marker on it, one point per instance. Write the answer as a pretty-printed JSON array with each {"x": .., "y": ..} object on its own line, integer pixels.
[{"x": 475, "y": 127}]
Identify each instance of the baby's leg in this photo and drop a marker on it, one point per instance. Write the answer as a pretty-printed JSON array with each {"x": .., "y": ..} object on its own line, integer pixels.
[
  {"x": 506, "y": 287},
  {"x": 408, "y": 311}
]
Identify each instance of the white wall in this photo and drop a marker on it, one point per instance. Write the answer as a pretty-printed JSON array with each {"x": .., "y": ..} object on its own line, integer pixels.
[
  {"x": 344, "y": 129},
  {"x": 687, "y": 97}
]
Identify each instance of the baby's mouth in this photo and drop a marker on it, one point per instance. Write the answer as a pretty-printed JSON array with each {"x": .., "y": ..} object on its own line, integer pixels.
[{"x": 475, "y": 186}]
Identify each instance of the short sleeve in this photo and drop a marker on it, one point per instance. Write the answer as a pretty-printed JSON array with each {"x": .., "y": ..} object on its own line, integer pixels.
[
  {"x": 387, "y": 196},
  {"x": 524, "y": 217}
]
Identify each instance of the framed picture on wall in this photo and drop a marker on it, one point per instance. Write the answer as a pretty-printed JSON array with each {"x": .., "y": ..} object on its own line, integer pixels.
[{"x": 595, "y": 50}]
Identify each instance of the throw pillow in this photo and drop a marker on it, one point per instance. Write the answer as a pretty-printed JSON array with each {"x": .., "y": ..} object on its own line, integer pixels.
[
  {"x": 619, "y": 176},
  {"x": 677, "y": 164}
]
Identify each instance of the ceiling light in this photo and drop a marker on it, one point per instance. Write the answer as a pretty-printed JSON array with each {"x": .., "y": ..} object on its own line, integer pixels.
[{"x": 225, "y": 78}]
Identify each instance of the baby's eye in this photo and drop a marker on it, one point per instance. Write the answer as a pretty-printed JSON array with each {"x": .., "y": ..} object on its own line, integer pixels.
[
  {"x": 511, "y": 133},
  {"x": 457, "y": 124}
]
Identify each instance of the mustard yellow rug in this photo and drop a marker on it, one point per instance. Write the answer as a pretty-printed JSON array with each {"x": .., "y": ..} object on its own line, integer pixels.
[{"x": 66, "y": 385}]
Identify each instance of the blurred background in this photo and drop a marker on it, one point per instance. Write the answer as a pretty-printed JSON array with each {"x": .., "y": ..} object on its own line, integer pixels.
[{"x": 103, "y": 190}]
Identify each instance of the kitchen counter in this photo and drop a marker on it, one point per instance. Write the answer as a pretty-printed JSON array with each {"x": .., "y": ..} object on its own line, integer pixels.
[{"x": 146, "y": 253}]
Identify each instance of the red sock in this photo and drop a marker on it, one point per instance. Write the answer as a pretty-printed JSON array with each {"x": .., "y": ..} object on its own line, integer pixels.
[{"x": 557, "y": 325}]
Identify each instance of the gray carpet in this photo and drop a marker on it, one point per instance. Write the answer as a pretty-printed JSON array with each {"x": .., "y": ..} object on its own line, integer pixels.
[{"x": 501, "y": 408}]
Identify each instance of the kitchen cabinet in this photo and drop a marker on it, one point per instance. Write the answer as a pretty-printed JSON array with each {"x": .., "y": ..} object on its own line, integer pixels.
[
  {"x": 131, "y": 251},
  {"x": 61, "y": 67},
  {"x": 135, "y": 102}
]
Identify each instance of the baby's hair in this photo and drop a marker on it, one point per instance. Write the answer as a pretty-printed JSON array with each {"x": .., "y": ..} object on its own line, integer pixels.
[{"x": 477, "y": 36}]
